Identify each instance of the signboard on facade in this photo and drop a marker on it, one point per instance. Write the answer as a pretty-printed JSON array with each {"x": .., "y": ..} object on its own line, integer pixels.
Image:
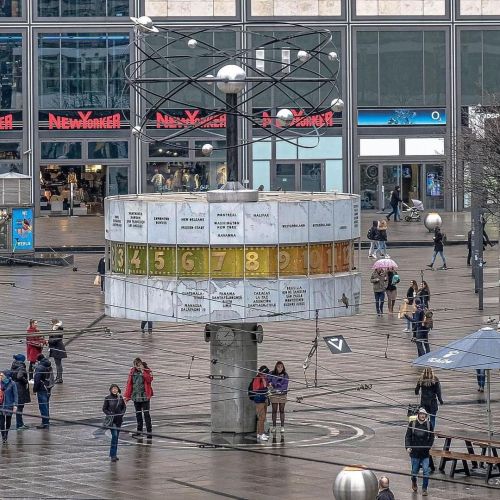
[
  {"x": 401, "y": 117},
  {"x": 22, "y": 230},
  {"x": 11, "y": 120},
  {"x": 102, "y": 119}
]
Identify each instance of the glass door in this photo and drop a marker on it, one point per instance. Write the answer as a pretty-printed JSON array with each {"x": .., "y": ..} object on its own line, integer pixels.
[
  {"x": 434, "y": 184},
  {"x": 411, "y": 188},
  {"x": 285, "y": 178},
  {"x": 391, "y": 177},
  {"x": 369, "y": 186},
  {"x": 117, "y": 181},
  {"x": 311, "y": 177}
]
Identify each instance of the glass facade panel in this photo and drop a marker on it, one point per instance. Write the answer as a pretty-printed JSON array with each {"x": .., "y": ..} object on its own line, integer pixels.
[
  {"x": 10, "y": 8},
  {"x": 83, "y": 70},
  {"x": 10, "y": 71},
  {"x": 491, "y": 63},
  {"x": 61, "y": 150},
  {"x": 108, "y": 150},
  {"x": 83, "y": 8},
  {"x": 471, "y": 50},
  {"x": 401, "y": 68}
]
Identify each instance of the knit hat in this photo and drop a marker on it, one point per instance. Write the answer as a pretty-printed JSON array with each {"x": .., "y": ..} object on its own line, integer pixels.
[
  {"x": 19, "y": 357},
  {"x": 422, "y": 410}
]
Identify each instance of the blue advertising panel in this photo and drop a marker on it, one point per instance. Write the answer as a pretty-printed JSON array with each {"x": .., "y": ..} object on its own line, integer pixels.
[
  {"x": 22, "y": 229},
  {"x": 403, "y": 117}
]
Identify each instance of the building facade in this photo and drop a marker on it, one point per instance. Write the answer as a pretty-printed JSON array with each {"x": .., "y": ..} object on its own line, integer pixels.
[{"x": 411, "y": 70}]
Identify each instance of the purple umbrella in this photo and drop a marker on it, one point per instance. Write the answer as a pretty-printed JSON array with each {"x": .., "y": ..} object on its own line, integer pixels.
[{"x": 385, "y": 264}]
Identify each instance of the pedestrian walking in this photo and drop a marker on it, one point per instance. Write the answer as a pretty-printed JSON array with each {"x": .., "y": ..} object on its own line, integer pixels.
[
  {"x": 149, "y": 325},
  {"x": 420, "y": 329},
  {"x": 418, "y": 442},
  {"x": 379, "y": 282},
  {"x": 384, "y": 492},
  {"x": 101, "y": 271},
  {"x": 438, "y": 248},
  {"x": 424, "y": 294},
  {"x": 411, "y": 294},
  {"x": 114, "y": 408},
  {"x": 469, "y": 247},
  {"x": 20, "y": 377},
  {"x": 392, "y": 290},
  {"x": 278, "y": 389},
  {"x": 8, "y": 403},
  {"x": 394, "y": 203},
  {"x": 481, "y": 380},
  {"x": 373, "y": 235},
  {"x": 34, "y": 345},
  {"x": 382, "y": 239},
  {"x": 57, "y": 349},
  {"x": 259, "y": 389},
  {"x": 140, "y": 391},
  {"x": 42, "y": 387},
  {"x": 429, "y": 387}
]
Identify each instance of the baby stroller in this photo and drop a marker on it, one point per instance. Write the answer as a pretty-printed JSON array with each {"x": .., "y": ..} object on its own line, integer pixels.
[{"x": 412, "y": 214}]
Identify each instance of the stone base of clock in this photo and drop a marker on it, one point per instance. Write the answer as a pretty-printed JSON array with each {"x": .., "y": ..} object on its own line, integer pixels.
[{"x": 233, "y": 355}]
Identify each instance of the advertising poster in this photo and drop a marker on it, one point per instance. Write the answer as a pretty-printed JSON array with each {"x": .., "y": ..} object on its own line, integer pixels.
[
  {"x": 403, "y": 117},
  {"x": 4, "y": 220},
  {"x": 22, "y": 229}
]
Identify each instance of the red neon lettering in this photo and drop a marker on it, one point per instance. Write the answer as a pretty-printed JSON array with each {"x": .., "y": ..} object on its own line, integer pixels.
[
  {"x": 84, "y": 122},
  {"x": 192, "y": 119},
  {"x": 6, "y": 122}
]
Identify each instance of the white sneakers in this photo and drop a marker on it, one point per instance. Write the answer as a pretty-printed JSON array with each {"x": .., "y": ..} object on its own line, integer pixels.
[
  {"x": 272, "y": 429},
  {"x": 406, "y": 330},
  {"x": 262, "y": 437},
  {"x": 282, "y": 429}
]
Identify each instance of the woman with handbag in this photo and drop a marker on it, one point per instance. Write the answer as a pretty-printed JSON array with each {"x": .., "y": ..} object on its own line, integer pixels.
[{"x": 114, "y": 408}]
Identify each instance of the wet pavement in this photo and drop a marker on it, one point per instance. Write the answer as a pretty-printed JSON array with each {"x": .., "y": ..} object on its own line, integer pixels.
[{"x": 343, "y": 421}]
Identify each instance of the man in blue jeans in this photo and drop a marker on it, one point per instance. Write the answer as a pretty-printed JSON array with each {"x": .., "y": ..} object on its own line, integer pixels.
[
  {"x": 418, "y": 442},
  {"x": 379, "y": 281},
  {"x": 42, "y": 387}
]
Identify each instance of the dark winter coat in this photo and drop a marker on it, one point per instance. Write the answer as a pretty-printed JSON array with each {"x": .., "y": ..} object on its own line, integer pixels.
[
  {"x": 390, "y": 285},
  {"x": 114, "y": 405},
  {"x": 410, "y": 295},
  {"x": 417, "y": 321},
  {"x": 385, "y": 495},
  {"x": 438, "y": 241},
  {"x": 431, "y": 394},
  {"x": 395, "y": 199},
  {"x": 56, "y": 344},
  {"x": 101, "y": 267},
  {"x": 9, "y": 389},
  {"x": 425, "y": 296},
  {"x": 20, "y": 377},
  {"x": 382, "y": 235},
  {"x": 42, "y": 376},
  {"x": 419, "y": 437},
  {"x": 374, "y": 231}
]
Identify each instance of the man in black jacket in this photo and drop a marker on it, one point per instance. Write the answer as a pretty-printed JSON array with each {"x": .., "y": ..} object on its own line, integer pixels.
[
  {"x": 418, "y": 442},
  {"x": 395, "y": 201},
  {"x": 438, "y": 248},
  {"x": 384, "y": 492}
]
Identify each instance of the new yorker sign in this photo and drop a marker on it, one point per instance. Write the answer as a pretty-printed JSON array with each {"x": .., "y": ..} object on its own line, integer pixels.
[
  {"x": 83, "y": 120},
  {"x": 11, "y": 120}
]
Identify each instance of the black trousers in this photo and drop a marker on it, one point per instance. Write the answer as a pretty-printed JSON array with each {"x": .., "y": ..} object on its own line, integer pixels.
[
  {"x": 59, "y": 368},
  {"x": 31, "y": 369},
  {"x": 142, "y": 407},
  {"x": 5, "y": 421},
  {"x": 150, "y": 325}
]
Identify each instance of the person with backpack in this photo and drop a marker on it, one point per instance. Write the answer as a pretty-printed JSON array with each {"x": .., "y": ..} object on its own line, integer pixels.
[
  {"x": 8, "y": 403},
  {"x": 392, "y": 290},
  {"x": 20, "y": 377},
  {"x": 57, "y": 349},
  {"x": 430, "y": 387},
  {"x": 34, "y": 345},
  {"x": 419, "y": 439},
  {"x": 438, "y": 248},
  {"x": 258, "y": 394},
  {"x": 140, "y": 391},
  {"x": 278, "y": 388},
  {"x": 114, "y": 407},
  {"x": 372, "y": 235},
  {"x": 42, "y": 387},
  {"x": 394, "y": 202},
  {"x": 382, "y": 240}
]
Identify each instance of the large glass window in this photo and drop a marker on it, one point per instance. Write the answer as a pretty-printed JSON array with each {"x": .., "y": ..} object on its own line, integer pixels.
[
  {"x": 10, "y": 157},
  {"x": 10, "y": 8},
  {"x": 401, "y": 68},
  {"x": 83, "y": 8},
  {"x": 83, "y": 70},
  {"x": 10, "y": 71},
  {"x": 480, "y": 59}
]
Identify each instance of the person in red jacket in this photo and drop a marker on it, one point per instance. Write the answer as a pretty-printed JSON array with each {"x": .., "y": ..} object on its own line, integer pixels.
[
  {"x": 139, "y": 390},
  {"x": 34, "y": 345}
]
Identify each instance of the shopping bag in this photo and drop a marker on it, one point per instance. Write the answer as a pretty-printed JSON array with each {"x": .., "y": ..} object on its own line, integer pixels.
[
  {"x": 403, "y": 309},
  {"x": 97, "y": 280}
]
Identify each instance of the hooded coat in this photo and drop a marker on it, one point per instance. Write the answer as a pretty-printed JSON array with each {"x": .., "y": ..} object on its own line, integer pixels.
[
  {"x": 20, "y": 377},
  {"x": 431, "y": 394},
  {"x": 9, "y": 389},
  {"x": 42, "y": 376},
  {"x": 34, "y": 344},
  {"x": 56, "y": 343},
  {"x": 114, "y": 406}
]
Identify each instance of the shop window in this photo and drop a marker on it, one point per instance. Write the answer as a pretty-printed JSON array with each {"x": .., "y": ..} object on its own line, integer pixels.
[
  {"x": 10, "y": 151},
  {"x": 61, "y": 150},
  {"x": 178, "y": 149},
  {"x": 10, "y": 8},
  {"x": 83, "y": 8},
  {"x": 10, "y": 71},
  {"x": 11, "y": 166},
  {"x": 83, "y": 70},
  {"x": 108, "y": 150},
  {"x": 219, "y": 152},
  {"x": 185, "y": 176}
]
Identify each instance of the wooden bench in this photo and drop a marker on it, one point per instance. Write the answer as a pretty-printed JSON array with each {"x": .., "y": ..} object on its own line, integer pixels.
[{"x": 455, "y": 456}]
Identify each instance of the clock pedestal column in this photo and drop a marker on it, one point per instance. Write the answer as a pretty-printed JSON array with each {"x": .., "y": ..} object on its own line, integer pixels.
[{"x": 233, "y": 355}]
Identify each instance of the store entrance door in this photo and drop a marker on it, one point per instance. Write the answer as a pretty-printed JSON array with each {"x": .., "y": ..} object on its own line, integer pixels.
[{"x": 117, "y": 180}]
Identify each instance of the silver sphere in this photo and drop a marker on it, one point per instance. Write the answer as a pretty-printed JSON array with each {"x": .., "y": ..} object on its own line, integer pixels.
[
  {"x": 145, "y": 24},
  {"x": 303, "y": 56},
  {"x": 192, "y": 43},
  {"x": 285, "y": 117},
  {"x": 355, "y": 483},
  {"x": 234, "y": 77},
  {"x": 333, "y": 56},
  {"x": 209, "y": 76},
  {"x": 337, "y": 105},
  {"x": 432, "y": 220},
  {"x": 207, "y": 149},
  {"x": 137, "y": 130}
]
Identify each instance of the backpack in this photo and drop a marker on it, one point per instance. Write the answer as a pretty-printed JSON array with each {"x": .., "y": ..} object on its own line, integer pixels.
[
  {"x": 251, "y": 393},
  {"x": 428, "y": 320},
  {"x": 371, "y": 233},
  {"x": 395, "y": 279},
  {"x": 49, "y": 380}
]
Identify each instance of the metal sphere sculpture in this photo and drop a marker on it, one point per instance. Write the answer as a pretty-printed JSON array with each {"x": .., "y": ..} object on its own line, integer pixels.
[
  {"x": 282, "y": 82},
  {"x": 355, "y": 483}
]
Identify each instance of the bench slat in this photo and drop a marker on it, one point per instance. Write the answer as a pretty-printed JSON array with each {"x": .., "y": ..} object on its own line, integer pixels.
[{"x": 456, "y": 455}]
